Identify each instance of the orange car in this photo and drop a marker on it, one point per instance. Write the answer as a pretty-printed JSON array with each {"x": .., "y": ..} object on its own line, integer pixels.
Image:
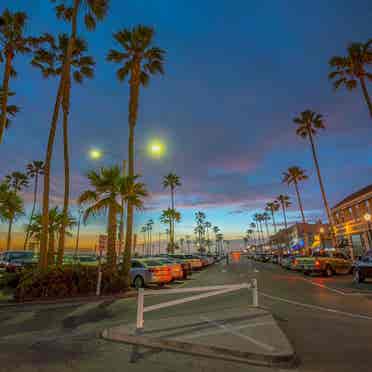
[
  {"x": 159, "y": 272},
  {"x": 176, "y": 268}
]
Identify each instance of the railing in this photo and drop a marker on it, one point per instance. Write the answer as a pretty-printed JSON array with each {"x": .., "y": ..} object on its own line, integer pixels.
[{"x": 205, "y": 292}]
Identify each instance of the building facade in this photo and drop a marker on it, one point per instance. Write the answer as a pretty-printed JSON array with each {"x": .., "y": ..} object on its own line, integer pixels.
[
  {"x": 294, "y": 238},
  {"x": 352, "y": 221}
]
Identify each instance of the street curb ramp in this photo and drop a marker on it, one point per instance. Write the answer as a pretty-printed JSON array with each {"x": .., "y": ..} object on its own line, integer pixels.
[{"x": 263, "y": 360}]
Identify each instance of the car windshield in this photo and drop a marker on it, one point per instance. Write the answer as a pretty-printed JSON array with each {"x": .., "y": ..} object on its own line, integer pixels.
[
  {"x": 87, "y": 258},
  {"x": 21, "y": 255}
]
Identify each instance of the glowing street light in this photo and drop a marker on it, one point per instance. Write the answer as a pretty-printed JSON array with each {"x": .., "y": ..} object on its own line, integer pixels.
[
  {"x": 367, "y": 217},
  {"x": 156, "y": 149},
  {"x": 95, "y": 154}
]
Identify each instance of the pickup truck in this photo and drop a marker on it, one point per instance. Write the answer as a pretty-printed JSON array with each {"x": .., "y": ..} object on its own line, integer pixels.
[{"x": 325, "y": 263}]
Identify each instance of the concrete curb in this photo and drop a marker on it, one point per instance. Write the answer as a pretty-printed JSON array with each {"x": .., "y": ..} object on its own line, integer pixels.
[
  {"x": 263, "y": 360},
  {"x": 69, "y": 300}
]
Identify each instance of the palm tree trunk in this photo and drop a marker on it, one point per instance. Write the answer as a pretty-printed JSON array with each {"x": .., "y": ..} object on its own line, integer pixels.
[
  {"x": 366, "y": 95},
  {"x": 286, "y": 228},
  {"x": 9, "y": 238},
  {"x": 325, "y": 201},
  {"x": 133, "y": 110},
  {"x": 52, "y": 133},
  {"x": 299, "y": 202},
  {"x": 32, "y": 211},
  {"x": 274, "y": 223},
  {"x": 5, "y": 92},
  {"x": 50, "y": 255},
  {"x": 121, "y": 225},
  {"x": 66, "y": 159},
  {"x": 172, "y": 220},
  {"x": 111, "y": 238}
]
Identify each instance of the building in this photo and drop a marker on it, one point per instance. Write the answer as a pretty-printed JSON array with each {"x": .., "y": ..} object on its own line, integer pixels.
[
  {"x": 292, "y": 239},
  {"x": 352, "y": 221}
]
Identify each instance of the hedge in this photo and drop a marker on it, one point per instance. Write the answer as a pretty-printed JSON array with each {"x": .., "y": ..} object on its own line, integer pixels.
[{"x": 66, "y": 281}]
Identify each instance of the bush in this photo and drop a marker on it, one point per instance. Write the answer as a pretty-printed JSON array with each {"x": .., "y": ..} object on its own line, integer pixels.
[
  {"x": 66, "y": 281},
  {"x": 10, "y": 280}
]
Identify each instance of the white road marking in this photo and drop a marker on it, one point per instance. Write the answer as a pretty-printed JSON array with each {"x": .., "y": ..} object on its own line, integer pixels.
[
  {"x": 325, "y": 287},
  {"x": 215, "y": 332},
  {"x": 315, "y": 307},
  {"x": 238, "y": 334}
]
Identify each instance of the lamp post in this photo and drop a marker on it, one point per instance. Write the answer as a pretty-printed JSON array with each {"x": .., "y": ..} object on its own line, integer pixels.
[{"x": 367, "y": 217}]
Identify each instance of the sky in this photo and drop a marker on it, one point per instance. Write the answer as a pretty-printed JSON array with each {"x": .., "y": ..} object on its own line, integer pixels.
[{"x": 236, "y": 74}]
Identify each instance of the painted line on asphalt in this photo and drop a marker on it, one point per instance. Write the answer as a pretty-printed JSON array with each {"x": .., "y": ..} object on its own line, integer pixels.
[
  {"x": 218, "y": 331},
  {"x": 238, "y": 334},
  {"x": 325, "y": 287},
  {"x": 315, "y": 307}
]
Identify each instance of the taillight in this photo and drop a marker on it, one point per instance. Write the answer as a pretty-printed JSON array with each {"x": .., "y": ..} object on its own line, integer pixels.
[
  {"x": 317, "y": 263},
  {"x": 295, "y": 262}
]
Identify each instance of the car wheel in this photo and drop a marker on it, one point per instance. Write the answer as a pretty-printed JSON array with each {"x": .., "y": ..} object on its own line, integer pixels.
[
  {"x": 138, "y": 282},
  {"x": 358, "y": 277},
  {"x": 328, "y": 272},
  {"x": 306, "y": 272}
]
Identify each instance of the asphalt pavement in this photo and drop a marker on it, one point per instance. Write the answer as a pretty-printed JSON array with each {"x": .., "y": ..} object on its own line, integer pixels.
[{"x": 328, "y": 321}]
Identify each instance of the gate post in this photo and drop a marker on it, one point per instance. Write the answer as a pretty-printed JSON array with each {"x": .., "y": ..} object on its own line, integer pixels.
[{"x": 255, "y": 292}]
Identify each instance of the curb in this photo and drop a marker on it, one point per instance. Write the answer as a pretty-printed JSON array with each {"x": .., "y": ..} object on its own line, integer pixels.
[
  {"x": 70, "y": 300},
  {"x": 262, "y": 360}
]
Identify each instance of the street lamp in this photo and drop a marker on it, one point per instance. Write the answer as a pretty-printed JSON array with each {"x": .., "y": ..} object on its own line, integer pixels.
[{"x": 367, "y": 217}]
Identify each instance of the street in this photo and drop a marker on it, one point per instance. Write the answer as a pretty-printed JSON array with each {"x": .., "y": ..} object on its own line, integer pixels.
[{"x": 328, "y": 322}]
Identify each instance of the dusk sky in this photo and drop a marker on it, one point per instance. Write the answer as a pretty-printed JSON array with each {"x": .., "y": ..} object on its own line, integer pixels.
[{"x": 236, "y": 74}]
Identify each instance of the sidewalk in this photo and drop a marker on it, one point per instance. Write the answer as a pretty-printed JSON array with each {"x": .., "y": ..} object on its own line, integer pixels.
[{"x": 246, "y": 335}]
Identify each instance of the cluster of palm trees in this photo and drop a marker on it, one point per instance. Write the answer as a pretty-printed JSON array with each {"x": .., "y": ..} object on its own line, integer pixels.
[
  {"x": 66, "y": 57},
  {"x": 11, "y": 197},
  {"x": 349, "y": 71}
]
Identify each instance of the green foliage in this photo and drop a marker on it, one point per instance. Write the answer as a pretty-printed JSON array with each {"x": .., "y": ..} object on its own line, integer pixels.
[{"x": 67, "y": 281}]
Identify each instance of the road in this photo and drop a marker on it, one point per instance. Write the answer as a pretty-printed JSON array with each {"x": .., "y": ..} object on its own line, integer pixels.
[{"x": 328, "y": 321}]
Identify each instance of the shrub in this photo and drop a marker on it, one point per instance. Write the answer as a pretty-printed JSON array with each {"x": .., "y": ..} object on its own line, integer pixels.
[
  {"x": 9, "y": 280},
  {"x": 66, "y": 281}
]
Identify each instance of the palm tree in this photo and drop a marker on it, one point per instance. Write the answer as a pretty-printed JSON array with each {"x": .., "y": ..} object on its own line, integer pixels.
[
  {"x": 139, "y": 60},
  {"x": 132, "y": 192},
  {"x": 272, "y": 207},
  {"x": 50, "y": 61},
  {"x": 34, "y": 170},
  {"x": 12, "y": 42},
  {"x": 167, "y": 217},
  {"x": 17, "y": 181},
  {"x": 257, "y": 217},
  {"x": 55, "y": 221},
  {"x": 11, "y": 110},
  {"x": 351, "y": 70},
  {"x": 144, "y": 232},
  {"x": 94, "y": 10},
  {"x": 265, "y": 218},
  {"x": 171, "y": 181},
  {"x": 208, "y": 226},
  {"x": 294, "y": 175},
  {"x": 309, "y": 123},
  {"x": 284, "y": 202},
  {"x": 106, "y": 186},
  {"x": 11, "y": 208},
  {"x": 216, "y": 230},
  {"x": 253, "y": 227}
]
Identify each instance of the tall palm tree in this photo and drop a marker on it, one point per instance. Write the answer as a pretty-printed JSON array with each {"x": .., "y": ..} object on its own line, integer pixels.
[
  {"x": 34, "y": 170},
  {"x": 351, "y": 70},
  {"x": 167, "y": 217},
  {"x": 93, "y": 10},
  {"x": 285, "y": 203},
  {"x": 309, "y": 124},
  {"x": 208, "y": 226},
  {"x": 144, "y": 232},
  {"x": 12, "y": 42},
  {"x": 106, "y": 186},
  {"x": 171, "y": 181},
  {"x": 253, "y": 227},
  {"x": 139, "y": 60},
  {"x": 265, "y": 219},
  {"x": 272, "y": 207},
  {"x": 50, "y": 61},
  {"x": 17, "y": 181},
  {"x": 216, "y": 230},
  {"x": 257, "y": 217},
  {"x": 11, "y": 208},
  {"x": 294, "y": 175}
]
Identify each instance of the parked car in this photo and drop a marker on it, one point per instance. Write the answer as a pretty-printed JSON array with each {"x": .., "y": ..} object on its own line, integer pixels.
[
  {"x": 326, "y": 263},
  {"x": 11, "y": 261},
  {"x": 196, "y": 263},
  {"x": 363, "y": 268},
  {"x": 176, "y": 268},
  {"x": 149, "y": 271}
]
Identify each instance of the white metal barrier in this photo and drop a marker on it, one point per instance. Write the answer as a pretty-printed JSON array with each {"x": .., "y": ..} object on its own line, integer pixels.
[{"x": 210, "y": 291}]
